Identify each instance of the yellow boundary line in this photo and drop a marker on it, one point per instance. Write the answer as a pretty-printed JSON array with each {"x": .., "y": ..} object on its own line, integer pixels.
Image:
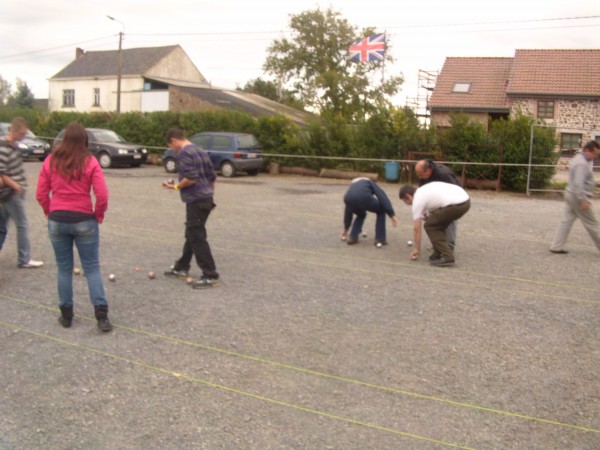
[
  {"x": 328, "y": 376},
  {"x": 387, "y": 262},
  {"x": 193, "y": 379}
]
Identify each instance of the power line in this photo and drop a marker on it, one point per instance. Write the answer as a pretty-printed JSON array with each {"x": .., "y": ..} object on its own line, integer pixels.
[
  {"x": 279, "y": 32},
  {"x": 439, "y": 25},
  {"x": 55, "y": 48}
]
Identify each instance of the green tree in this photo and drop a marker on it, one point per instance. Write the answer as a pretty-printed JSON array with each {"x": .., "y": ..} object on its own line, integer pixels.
[
  {"x": 270, "y": 90},
  {"x": 315, "y": 66},
  {"x": 264, "y": 88},
  {"x": 4, "y": 91},
  {"x": 23, "y": 97}
]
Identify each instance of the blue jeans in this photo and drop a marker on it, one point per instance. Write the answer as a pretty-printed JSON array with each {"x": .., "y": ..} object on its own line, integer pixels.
[
  {"x": 86, "y": 237},
  {"x": 373, "y": 205},
  {"x": 14, "y": 208},
  {"x": 3, "y": 224}
]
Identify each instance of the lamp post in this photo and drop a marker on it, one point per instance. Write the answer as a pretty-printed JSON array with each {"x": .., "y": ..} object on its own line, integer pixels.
[{"x": 119, "y": 63}]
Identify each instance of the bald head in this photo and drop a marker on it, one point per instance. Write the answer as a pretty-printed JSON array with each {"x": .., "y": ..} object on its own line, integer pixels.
[{"x": 423, "y": 169}]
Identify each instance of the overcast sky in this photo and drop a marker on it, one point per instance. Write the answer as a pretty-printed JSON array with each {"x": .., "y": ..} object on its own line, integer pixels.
[{"x": 227, "y": 39}]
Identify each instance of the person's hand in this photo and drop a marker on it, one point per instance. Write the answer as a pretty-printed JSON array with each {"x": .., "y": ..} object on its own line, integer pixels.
[
  {"x": 394, "y": 221},
  {"x": 586, "y": 205},
  {"x": 414, "y": 255},
  {"x": 168, "y": 184}
]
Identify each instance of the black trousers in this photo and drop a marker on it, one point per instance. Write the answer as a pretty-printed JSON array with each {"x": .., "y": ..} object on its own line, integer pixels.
[{"x": 196, "y": 243}]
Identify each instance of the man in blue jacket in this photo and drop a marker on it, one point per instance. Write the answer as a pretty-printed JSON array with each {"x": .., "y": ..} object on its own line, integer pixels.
[
  {"x": 364, "y": 195},
  {"x": 196, "y": 185}
]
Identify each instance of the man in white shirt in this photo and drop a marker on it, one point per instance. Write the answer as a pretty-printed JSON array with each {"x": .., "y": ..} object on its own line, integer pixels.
[{"x": 437, "y": 204}]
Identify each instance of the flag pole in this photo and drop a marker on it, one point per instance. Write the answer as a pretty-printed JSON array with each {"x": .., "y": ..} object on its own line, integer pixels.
[{"x": 384, "y": 52}]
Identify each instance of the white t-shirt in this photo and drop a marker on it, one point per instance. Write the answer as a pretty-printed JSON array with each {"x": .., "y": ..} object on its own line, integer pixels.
[{"x": 435, "y": 195}]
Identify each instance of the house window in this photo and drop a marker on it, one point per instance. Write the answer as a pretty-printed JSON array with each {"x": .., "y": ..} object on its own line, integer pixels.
[
  {"x": 69, "y": 98},
  {"x": 570, "y": 141},
  {"x": 96, "y": 96},
  {"x": 463, "y": 88},
  {"x": 546, "y": 109}
]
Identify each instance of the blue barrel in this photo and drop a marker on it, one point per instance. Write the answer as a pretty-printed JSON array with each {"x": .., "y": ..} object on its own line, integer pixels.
[{"x": 392, "y": 169}]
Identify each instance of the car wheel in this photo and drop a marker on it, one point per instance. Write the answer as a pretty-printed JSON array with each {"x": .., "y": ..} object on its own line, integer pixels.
[
  {"x": 169, "y": 165},
  {"x": 252, "y": 172},
  {"x": 136, "y": 164},
  {"x": 105, "y": 160},
  {"x": 228, "y": 169}
]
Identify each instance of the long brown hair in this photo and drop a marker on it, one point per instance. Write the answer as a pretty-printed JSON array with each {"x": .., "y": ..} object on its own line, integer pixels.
[{"x": 71, "y": 157}]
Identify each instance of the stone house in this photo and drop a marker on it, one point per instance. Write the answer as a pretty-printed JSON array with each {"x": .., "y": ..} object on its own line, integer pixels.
[
  {"x": 561, "y": 88},
  {"x": 151, "y": 79}
]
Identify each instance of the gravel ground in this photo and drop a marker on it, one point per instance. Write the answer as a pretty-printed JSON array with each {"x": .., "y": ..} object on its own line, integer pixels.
[{"x": 309, "y": 343}]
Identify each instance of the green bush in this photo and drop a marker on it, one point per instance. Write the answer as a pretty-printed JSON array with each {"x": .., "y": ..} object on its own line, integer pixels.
[
  {"x": 514, "y": 136},
  {"x": 386, "y": 134}
]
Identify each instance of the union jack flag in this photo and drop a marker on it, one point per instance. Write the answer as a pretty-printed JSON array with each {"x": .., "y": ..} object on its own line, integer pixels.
[{"x": 371, "y": 48}]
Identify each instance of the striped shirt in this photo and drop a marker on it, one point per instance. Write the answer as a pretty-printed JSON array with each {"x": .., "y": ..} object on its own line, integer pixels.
[
  {"x": 11, "y": 165},
  {"x": 194, "y": 163}
]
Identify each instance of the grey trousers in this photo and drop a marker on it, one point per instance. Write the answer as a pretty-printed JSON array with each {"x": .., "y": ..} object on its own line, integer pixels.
[{"x": 573, "y": 211}]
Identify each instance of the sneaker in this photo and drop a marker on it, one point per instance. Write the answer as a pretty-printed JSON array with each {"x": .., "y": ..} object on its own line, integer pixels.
[
  {"x": 351, "y": 240},
  {"x": 204, "y": 283},
  {"x": 32, "y": 264},
  {"x": 380, "y": 244},
  {"x": 183, "y": 274}
]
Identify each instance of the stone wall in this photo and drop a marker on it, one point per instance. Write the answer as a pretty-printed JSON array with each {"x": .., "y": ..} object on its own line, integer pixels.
[{"x": 578, "y": 115}]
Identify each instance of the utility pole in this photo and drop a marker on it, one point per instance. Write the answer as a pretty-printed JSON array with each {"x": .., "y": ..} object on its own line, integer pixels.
[{"x": 119, "y": 63}]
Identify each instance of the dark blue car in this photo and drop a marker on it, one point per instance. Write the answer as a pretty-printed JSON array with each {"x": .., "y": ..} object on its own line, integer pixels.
[
  {"x": 31, "y": 146},
  {"x": 229, "y": 153}
]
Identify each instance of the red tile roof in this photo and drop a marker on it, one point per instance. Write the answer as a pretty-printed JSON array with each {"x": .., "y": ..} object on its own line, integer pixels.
[
  {"x": 488, "y": 78},
  {"x": 556, "y": 72}
]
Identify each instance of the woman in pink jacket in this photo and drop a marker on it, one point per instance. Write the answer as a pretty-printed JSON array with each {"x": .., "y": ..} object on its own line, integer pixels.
[{"x": 63, "y": 191}]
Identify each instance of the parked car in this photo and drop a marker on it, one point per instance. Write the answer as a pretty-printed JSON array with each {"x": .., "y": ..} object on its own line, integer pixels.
[
  {"x": 31, "y": 146},
  {"x": 110, "y": 149},
  {"x": 229, "y": 153}
]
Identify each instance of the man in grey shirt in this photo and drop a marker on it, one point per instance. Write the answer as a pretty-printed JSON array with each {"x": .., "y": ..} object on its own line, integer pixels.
[{"x": 579, "y": 191}]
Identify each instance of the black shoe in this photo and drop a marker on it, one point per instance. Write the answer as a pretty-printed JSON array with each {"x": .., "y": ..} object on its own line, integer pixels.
[
  {"x": 66, "y": 316},
  {"x": 183, "y": 274},
  {"x": 65, "y": 322},
  {"x": 442, "y": 262},
  {"x": 560, "y": 252},
  {"x": 352, "y": 241},
  {"x": 435, "y": 255},
  {"x": 204, "y": 283},
  {"x": 104, "y": 325}
]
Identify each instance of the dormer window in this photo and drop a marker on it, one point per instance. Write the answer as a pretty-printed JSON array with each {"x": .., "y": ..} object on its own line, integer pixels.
[{"x": 462, "y": 88}]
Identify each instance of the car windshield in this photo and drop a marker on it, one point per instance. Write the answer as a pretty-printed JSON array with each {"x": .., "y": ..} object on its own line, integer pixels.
[
  {"x": 247, "y": 141},
  {"x": 106, "y": 136}
]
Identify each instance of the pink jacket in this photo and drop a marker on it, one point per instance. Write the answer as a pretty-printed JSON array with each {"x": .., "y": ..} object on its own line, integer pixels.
[{"x": 56, "y": 193}]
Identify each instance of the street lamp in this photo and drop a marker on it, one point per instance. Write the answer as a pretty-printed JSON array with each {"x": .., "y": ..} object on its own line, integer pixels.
[{"x": 119, "y": 63}]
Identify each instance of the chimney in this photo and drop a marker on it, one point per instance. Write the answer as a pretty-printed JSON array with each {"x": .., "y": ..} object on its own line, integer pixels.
[{"x": 79, "y": 53}]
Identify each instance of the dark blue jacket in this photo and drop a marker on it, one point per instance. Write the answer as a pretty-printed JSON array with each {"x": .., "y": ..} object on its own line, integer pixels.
[{"x": 359, "y": 195}]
